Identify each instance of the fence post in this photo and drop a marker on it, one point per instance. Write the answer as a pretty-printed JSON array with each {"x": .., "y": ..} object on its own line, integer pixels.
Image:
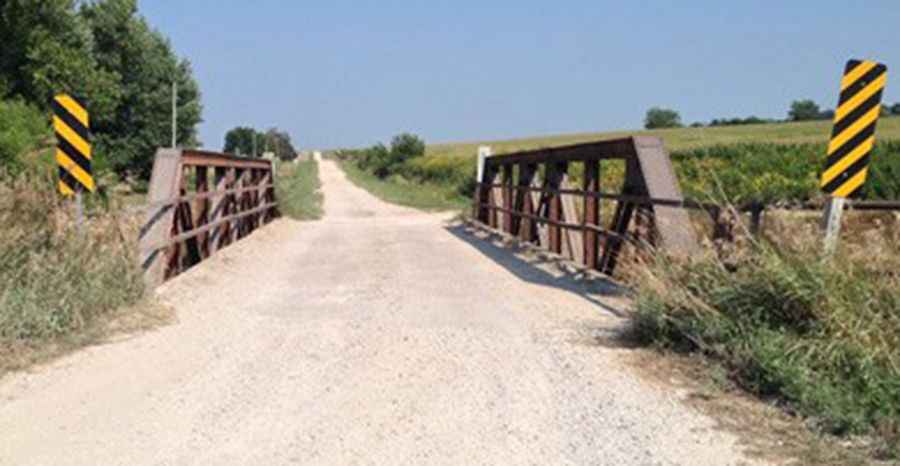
[{"x": 831, "y": 223}]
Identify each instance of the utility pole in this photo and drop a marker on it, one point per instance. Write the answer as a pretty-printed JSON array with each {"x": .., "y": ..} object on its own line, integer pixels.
[{"x": 174, "y": 113}]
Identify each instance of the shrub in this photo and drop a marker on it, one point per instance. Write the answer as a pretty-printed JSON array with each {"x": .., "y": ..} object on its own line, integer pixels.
[{"x": 22, "y": 129}]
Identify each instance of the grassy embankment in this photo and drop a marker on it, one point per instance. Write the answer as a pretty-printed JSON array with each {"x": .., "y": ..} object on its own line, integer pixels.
[{"x": 297, "y": 190}]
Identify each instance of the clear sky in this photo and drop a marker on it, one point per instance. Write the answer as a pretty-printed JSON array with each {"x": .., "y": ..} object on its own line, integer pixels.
[{"x": 340, "y": 73}]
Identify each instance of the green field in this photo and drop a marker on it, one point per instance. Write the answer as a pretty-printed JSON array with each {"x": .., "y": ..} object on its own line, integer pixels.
[{"x": 677, "y": 139}]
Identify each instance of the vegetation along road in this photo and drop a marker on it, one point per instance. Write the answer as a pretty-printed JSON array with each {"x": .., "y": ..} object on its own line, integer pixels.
[{"x": 377, "y": 335}]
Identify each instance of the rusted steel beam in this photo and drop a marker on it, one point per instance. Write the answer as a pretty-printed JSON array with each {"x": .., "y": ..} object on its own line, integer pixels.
[
  {"x": 523, "y": 226},
  {"x": 507, "y": 197},
  {"x": 182, "y": 228},
  {"x": 591, "y": 183},
  {"x": 213, "y": 159},
  {"x": 600, "y": 150},
  {"x": 201, "y": 208},
  {"x": 555, "y": 173},
  {"x": 649, "y": 187},
  {"x": 182, "y": 237},
  {"x": 219, "y": 204}
]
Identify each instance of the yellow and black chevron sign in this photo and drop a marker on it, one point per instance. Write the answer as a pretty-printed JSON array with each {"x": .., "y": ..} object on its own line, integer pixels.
[
  {"x": 853, "y": 136},
  {"x": 73, "y": 145}
]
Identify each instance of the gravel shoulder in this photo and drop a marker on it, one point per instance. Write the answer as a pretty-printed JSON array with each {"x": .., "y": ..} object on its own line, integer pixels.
[{"x": 377, "y": 335}]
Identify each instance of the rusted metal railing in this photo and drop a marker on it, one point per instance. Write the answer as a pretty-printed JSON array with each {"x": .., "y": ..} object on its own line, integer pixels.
[
  {"x": 535, "y": 201},
  {"x": 200, "y": 202}
]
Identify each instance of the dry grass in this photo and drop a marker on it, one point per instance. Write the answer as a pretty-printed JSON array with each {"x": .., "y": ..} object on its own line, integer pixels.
[{"x": 62, "y": 286}]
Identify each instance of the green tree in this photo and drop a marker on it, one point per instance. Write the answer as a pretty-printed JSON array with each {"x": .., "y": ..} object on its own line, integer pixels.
[
  {"x": 240, "y": 141},
  {"x": 804, "y": 110},
  {"x": 279, "y": 142},
  {"x": 895, "y": 109},
  {"x": 106, "y": 54},
  {"x": 406, "y": 146},
  {"x": 47, "y": 49},
  {"x": 662, "y": 118},
  {"x": 146, "y": 65}
]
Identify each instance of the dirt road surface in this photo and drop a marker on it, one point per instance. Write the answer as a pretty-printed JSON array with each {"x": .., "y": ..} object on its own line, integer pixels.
[{"x": 379, "y": 335}]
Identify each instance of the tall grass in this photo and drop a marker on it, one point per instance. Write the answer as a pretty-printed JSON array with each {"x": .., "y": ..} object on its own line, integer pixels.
[
  {"x": 297, "y": 190},
  {"x": 56, "y": 280},
  {"x": 820, "y": 335}
]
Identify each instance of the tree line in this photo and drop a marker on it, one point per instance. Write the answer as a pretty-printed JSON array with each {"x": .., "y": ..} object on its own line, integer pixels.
[
  {"x": 246, "y": 141},
  {"x": 107, "y": 55},
  {"x": 800, "y": 110}
]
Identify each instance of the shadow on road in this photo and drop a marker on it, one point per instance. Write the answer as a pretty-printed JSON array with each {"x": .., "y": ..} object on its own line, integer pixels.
[{"x": 541, "y": 269}]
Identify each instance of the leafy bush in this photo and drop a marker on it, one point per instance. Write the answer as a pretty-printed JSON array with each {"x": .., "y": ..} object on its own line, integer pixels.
[
  {"x": 384, "y": 162},
  {"x": 22, "y": 129},
  {"x": 823, "y": 337}
]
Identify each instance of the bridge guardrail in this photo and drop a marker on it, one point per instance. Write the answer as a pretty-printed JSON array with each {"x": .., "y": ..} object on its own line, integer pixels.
[{"x": 200, "y": 202}]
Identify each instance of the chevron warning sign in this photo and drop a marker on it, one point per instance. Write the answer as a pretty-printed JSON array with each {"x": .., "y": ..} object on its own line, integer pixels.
[
  {"x": 73, "y": 145},
  {"x": 853, "y": 136}
]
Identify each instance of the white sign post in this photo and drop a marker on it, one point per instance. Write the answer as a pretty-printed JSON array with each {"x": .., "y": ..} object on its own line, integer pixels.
[{"x": 483, "y": 153}]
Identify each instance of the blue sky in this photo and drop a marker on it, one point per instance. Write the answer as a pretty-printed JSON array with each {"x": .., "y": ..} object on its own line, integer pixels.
[{"x": 351, "y": 73}]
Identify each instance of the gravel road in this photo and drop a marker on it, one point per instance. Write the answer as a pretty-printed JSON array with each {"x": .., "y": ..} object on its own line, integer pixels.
[{"x": 379, "y": 335}]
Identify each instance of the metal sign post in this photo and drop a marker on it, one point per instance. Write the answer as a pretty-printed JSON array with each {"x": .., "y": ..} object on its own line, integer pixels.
[
  {"x": 71, "y": 124},
  {"x": 852, "y": 141}
]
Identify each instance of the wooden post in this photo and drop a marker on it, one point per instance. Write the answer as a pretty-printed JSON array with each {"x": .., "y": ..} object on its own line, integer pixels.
[
  {"x": 831, "y": 223},
  {"x": 591, "y": 212}
]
